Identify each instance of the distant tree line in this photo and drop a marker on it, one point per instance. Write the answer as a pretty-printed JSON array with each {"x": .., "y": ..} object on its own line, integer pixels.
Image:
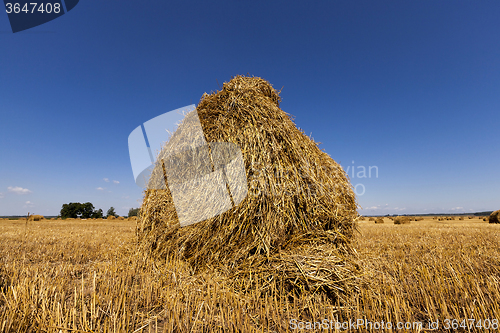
[
  {"x": 87, "y": 210},
  {"x": 78, "y": 210}
]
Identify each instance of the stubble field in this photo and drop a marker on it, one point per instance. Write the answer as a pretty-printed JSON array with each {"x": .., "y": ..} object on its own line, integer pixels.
[{"x": 86, "y": 276}]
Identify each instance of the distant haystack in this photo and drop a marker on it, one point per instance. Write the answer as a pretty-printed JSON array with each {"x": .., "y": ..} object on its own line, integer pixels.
[
  {"x": 111, "y": 217},
  {"x": 495, "y": 217},
  {"x": 402, "y": 220},
  {"x": 36, "y": 218}
]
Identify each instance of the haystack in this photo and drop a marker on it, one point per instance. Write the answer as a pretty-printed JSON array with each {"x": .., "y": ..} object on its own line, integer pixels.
[
  {"x": 35, "y": 218},
  {"x": 298, "y": 197},
  {"x": 402, "y": 220},
  {"x": 495, "y": 217},
  {"x": 111, "y": 217}
]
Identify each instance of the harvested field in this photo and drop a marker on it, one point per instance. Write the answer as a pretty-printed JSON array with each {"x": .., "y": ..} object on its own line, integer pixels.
[{"x": 87, "y": 276}]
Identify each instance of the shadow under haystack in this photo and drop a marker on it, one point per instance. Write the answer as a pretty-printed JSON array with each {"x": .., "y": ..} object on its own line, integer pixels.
[{"x": 297, "y": 220}]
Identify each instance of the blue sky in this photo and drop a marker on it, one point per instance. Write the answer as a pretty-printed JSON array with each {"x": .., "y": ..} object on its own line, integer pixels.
[{"x": 409, "y": 87}]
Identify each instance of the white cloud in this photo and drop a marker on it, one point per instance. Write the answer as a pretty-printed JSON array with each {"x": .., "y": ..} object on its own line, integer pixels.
[
  {"x": 100, "y": 188},
  {"x": 28, "y": 204},
  {"x": 18, "y": 190},
  {"x": 116, "y": 182},
  {"x": 106, "y": 180},
  {"x": 457, "y": 208},
  {"x": 386, "y": 206},
  {"x": 2, "y": 195}
]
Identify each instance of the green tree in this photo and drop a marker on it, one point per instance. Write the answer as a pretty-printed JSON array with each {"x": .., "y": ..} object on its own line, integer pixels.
[
  {"x": 111, "y": 212},
  {"x": 76, "y": 209},
  {"x": 86, "y": 210},
  {"x": 70, "y": 210},
  {"x": 133, "y": 212},
  {"x": 97, "y": 214}
]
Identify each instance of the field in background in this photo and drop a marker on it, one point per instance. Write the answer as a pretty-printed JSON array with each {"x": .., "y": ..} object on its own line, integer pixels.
[{"x": 85, "y": 276}]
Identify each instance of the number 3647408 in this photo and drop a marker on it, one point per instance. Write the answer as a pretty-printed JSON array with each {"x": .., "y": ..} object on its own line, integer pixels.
[{"x": 32, "y": 8}]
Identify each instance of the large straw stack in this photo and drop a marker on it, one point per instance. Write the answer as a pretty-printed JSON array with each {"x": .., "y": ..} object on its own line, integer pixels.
[{"x": 300, "y": 201}]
